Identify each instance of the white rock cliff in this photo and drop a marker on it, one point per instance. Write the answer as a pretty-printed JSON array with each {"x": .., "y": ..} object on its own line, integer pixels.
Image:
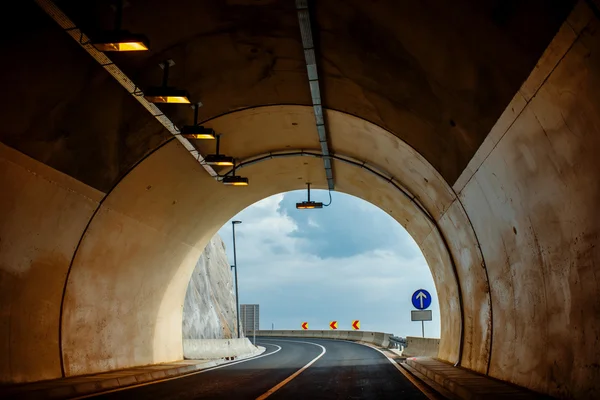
[{"x": 209, "y": 307}]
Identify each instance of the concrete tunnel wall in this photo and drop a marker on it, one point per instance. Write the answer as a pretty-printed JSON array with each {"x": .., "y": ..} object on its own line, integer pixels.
[
  {"x": 527, "y": 271},
  {"x": 532, "y": 192}
]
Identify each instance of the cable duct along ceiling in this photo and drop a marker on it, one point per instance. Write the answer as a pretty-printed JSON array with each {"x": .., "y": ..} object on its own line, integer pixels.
[{"x": 313, "y": 81}]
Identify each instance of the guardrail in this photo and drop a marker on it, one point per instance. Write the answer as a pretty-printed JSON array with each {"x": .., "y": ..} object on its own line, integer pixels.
[
  {"x": 424, "y": 347},
  {"x": 196, "y": 349},
  {"x": 377, "y": 338}
]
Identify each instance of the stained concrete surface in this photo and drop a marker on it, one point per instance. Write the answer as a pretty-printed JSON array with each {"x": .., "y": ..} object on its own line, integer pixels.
[{"x": 43, "y": 213}]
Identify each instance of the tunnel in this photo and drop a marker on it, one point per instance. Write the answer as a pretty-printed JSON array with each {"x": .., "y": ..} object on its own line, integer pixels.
[{"x": 474, "y": 124}]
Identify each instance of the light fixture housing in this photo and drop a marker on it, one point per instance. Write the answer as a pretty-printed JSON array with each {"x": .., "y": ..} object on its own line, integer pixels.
[
  {"x": 235, "y": 180},
  {"x": 198, "y": 132},
  {"x": 120, "y": 41},
  {"x": 309, "y": 205},
  {"x": 218, "y": 159},
  {"x": 167, "y": 94}
]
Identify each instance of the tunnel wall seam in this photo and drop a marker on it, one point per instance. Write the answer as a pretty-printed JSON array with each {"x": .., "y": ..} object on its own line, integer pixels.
[
  {"x": 484, "y": 265},
  {"x": 85, "y": 230},
  {"x": 64, "y": 291}
]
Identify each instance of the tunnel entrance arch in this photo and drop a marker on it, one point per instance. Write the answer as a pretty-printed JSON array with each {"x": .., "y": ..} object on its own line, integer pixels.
[{"x": 139, "y": 250}]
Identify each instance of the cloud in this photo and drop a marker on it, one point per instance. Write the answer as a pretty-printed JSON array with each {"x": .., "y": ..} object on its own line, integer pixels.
[
  {"x": 347, "y": 261},
  {"x": 339, "y": 230}
]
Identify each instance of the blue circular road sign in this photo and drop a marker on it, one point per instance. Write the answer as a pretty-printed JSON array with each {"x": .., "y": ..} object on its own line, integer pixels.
[{"x": 421, "y": 299}]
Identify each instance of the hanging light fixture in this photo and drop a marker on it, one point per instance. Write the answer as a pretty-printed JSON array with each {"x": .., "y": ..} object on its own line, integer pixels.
[
  {"x": 218, "y": 159},
  {"x": 233, "y": 179},
  {"x": 165, "y": 93},
  {"x": 304, "y": 205},
  {"x": 197, "y": 131},
  {"x": 118, "y": 39}
]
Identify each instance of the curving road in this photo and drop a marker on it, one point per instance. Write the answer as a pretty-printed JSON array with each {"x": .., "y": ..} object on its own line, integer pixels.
[{"x": 289, "y": 369}]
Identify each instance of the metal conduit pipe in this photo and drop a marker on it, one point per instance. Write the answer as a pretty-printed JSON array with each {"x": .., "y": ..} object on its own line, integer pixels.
[
  {"x": 343, "y": 158},
  {"x": 391, "y": 180},
  {"x": 313, "y": 82},
  {"x": 84, "y": 41}
]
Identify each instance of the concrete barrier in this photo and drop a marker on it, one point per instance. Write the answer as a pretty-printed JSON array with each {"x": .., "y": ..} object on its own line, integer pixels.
[
  {"x": 377, "y": 338},
  {"x": 206, "y": 349},
  {"x": 423, "y": 347}
]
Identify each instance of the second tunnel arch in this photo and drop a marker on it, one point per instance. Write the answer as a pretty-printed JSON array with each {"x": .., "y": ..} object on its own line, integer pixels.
[
  {"x": 347, "y": 261},
  {"x": 168, "y": 190}
]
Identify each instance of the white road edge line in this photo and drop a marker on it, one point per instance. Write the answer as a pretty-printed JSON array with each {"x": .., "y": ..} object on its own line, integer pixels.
[
  {"x": 412, "y": 380},
  {"x": 182, "y": 376},
  {"x": 295, "y": 374}
]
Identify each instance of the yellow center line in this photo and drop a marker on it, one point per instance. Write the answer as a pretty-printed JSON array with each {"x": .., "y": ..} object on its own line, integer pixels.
[{"x": 295, "y": 374}]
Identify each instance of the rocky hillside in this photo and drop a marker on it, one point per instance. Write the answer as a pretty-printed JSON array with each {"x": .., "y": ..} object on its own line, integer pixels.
[{"x": 209, "y": 308}]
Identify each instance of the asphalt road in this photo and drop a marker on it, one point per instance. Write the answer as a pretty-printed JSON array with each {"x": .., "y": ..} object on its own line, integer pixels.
[{"x": 337, "y": 370}]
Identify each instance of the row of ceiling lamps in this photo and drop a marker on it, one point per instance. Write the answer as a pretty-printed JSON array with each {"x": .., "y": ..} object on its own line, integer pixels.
[{"x": 122, "y": 40}]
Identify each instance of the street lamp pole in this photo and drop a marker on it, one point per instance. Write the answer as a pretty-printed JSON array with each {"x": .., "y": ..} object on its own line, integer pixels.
[{"x": 237, "y": 298}]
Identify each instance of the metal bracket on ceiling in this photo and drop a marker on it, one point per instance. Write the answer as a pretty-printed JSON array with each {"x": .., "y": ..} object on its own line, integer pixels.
[{"x": 313, "y": 82}]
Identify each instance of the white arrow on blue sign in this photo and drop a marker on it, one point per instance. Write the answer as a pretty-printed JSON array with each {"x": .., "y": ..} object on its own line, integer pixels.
[{"x": 421, "y": 299}]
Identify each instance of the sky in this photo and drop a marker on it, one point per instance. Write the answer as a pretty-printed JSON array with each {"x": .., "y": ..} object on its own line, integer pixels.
[{"x": 347, "y": 261}]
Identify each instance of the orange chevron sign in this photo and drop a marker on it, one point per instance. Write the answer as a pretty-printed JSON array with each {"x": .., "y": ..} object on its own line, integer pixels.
[
  {"x": 333, "y": 325},
  {"x": 356, "y": 324},
  {"x": 305, "y": 325}
]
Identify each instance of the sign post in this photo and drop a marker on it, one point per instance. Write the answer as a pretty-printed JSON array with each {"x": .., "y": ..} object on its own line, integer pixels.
[{"x": 421, "y": 300}]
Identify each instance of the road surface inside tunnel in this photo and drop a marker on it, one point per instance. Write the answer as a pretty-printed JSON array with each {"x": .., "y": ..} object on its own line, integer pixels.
[{"x": 290, "y": 369}]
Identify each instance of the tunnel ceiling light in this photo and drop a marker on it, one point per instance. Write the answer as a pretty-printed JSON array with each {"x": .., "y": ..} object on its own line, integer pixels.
[
  {"x": 308, "y": 205},
  {"x": 305, "y": 205},
  {"x": 233, "y": 179},
  {"x": 197, "y": 131},
  {"x": 219, "y": 159},
  {"x": 118, "y": 39},
  {"x": 165, "y": 93}
]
